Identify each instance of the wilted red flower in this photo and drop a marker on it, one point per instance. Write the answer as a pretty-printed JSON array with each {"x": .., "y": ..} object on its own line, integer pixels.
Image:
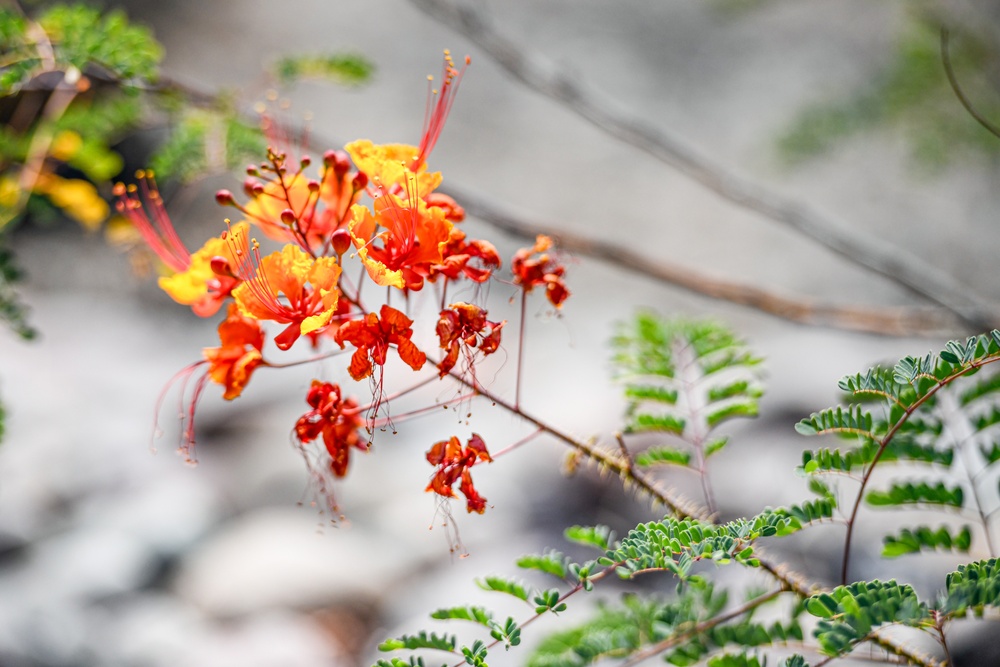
[
  {"x": 542, "y": 270},
  {"x": 373, "y": 334},
  {"x": 459, "y": 252},
  {"x": 464, "y": 327},
  {"x": 453, "y": 462},
  {"x": 337, "y": 419}
]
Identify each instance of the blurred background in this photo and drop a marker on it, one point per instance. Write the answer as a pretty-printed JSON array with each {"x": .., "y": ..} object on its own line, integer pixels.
[{"x": 715, "y": 139}]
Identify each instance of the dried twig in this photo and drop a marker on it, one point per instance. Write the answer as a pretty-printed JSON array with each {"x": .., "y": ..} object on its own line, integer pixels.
[{"x": 890, "y": 262}]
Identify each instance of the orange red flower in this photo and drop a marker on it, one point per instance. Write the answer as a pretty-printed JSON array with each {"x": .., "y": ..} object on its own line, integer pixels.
[
  {"x": 232, "y": 363},
  {"x": 373, "y": 334},
  {"x": 337, "y": 419},
  {"x": 414, "y": 239},
  {"x": 453, "y": 462},
  {"x": 543, "y": 270},
  {"x": 288, "y": 286}
]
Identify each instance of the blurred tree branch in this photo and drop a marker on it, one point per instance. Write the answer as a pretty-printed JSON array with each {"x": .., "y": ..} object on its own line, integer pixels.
[
  {"x": 890, "y": 262},
  {"x": 897, "y": 321}
]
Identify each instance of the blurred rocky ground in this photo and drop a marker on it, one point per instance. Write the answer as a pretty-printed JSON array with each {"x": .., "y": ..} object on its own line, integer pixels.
[{"x": 113, "y": 554}]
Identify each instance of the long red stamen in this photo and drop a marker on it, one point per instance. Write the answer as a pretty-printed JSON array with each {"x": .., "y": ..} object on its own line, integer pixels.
[
  {"x": 438, "y": 107},
  {"x": 158, "y": 232},
  {"x": 248, "y": 269}
]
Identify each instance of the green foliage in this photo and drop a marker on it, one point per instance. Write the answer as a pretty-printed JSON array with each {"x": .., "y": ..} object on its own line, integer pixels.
[
  {"x": 344, "y": 68},
  {"x": 549, "y": 600},
  {"x": 744, "y": 660},
  {"x": 551, "y": 562},
  {"x": 920, "y": 412},
  {"x": 598, "y": 537},
  {"x": 913, "y": 96},
  {"x": 673, "y": 545},
  {"x": 850, "y": 420},
  {"x": 207, "y": 140},
  {"x": 904, "y": 493},
  {"x": 850, "y": 613},
  {"x": 625, "y": 630},
  {"x": 671, "y": 366},
  {"x": 502, "y": 585},
  {"x": 972, "y": 587},
  {"x": 423, "y": 640},
  {"x": 663, "y": 455},
  {"x": 922, "y": 538},
  {"x": 13, "y": 312},
  {"x": 82, "y": 38}
]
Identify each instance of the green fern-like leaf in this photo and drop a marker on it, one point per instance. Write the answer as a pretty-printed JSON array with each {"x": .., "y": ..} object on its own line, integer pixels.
[
  {"x": 850, "y": 420},
  {"x": 675, "y": 371},
  {"x": 849, "y": 613},
  {"x": 673, "y": 545},
  {"x": 348, "y": 68},
  {"x": 475, "y": 614},
  {"x": 551, "y": 562},
  {"x": 922, "y": 538},
  {"x": 504, "y": 585},
  {"x": 663, "y": 456},
  {"x": 423, "y": 640},
  {"x": 909, "y": 493},
  {"x": 598, "y": 537},
  {"x": 929, "y": 412},
  {"x": 414, "y": 661}
]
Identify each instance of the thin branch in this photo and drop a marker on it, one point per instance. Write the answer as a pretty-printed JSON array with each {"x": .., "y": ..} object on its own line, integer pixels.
[
  {"x": 675, "y": 639},
  {"x": 959, "y": 93},
  {"x": 892, "y": 263}
]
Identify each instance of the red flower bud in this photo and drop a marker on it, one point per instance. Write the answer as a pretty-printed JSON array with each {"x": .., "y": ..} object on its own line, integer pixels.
[
  {"x": 288, "y": 216},
  {"x": 220, "y": 267},
  {"x": 341, "y": 241},
  {"x": 224, "y": 198}
]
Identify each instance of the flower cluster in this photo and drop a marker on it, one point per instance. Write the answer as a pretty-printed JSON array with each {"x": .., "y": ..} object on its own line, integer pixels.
[{"x": 376, "y": 206}]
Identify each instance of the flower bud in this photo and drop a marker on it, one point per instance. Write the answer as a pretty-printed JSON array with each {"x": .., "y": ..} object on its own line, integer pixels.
[
  {"x": 220, "y": 267},
  {"x": 341, "y": 163},
  {"x": 360, "y": 181},
  {"x": 224, "y": 198},
  {"x": 312, "y": 185},
  {"x": 250, "y": 187},
  {"x": 341, "y": 241},
  {"x": 288, "y": 216}
]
